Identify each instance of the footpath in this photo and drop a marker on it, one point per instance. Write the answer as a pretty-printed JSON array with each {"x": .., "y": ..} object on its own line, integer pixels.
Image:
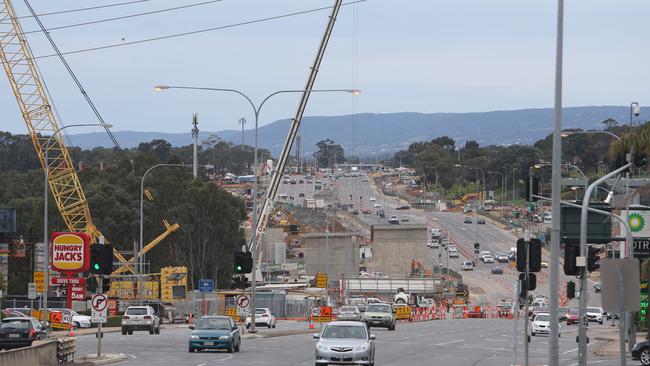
[{"x": 610, "y": 341}]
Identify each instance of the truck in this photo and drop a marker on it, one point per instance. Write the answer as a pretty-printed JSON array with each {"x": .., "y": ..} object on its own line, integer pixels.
[{"x": 435, "y": 233}]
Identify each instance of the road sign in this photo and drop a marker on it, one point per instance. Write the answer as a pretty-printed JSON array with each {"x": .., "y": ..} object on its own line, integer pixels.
[
  {"x": 315, "y": 311},
  {"x": 620, "y": 281},
  {"x": 39, "y": 280},
  {"x": 78, "y": 293},
  {"x": 321, "y": 280},
  {"x": 74, "y": 281},
  {"x": 232, "y": 312},
  {"x": 206, "y": 285},
  {"x": 243, "y": 303},
  {"x": 321, "y": 314},
  {"x": 31, "y": 290},
  {"x": 99, "y": 304}
]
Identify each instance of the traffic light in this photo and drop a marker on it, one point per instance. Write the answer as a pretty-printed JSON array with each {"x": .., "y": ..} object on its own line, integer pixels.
[
  {"x": 477, "y": 246},
  {"x": 238, "y": 262},
  {"x": 101, "y": 259},
  {"x": 106, "y": 285},
  {"x": 571, "y": 290},
  {"x": 91, "y": 284},
  {"x": 238, "y": 282},
  {"x": 535, "y": 192},
  {"x": 521, "y": 255},
  {"x": 571, "y": 252},
  {"x": 535, "y": 255},
  {"x": 525, "y": 287},
  {"x": 593, "y": 256},
  {"x": 95, "y": 259},
  {"x": 248, "y": 262}
]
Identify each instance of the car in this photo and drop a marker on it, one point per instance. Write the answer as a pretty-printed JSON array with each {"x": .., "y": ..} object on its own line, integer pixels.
[
  {"x": 572, "y": 316},
  {"x": 393, "y": 220},
  {"x": 544, "y": 264},
  {"x": 453, "y": 253},
  {"x": 595, "y": 314},
  {"x": 301, "y": 181},
  {"x": 263, "y": 316},
  {"x": 496, "y": 270},
  {"x": 377, "y": 205},
  {"x": 433, "y": 243},
  {"x": 348, "y": 313},
  {"x": 78, "y": 321},
  {"x": 488, "y": 259},
  {"x": 300, "y": 195},
  {"x": 140, "y": 318},
  {"x": 372, "y": 199},
  {"x": 365, "y": 211},
  {"x": 19, "y": 331},
  {"x": 597, "y": 287},
  {"x": 467, "y": 266},
  {"x": 379, "y": 315},
  {"x": 562, "y": 312},
  {"x": 24, "y": 311},
  {"x": 467, "y": 220},
  {"x": 641, "y": 352},
  {"x": 345, "y": 342},
  {"x": 403, "y": 207},
  {"x": 293, "y": 181},
  {"x": 356, "y": 212},
  {"x": 485, "y": 252},
  {"x": 381, "y": 213},
  {"x": 542, "y": 325},
  {"x": 215, "y": 332},
  {"x": 480, "y": 221},
  {"x": 536, "y": 310},
  {"x": 502, "y": 258}
]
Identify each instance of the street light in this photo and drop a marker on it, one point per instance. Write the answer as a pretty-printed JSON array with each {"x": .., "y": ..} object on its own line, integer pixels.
[
  {"x": 46, "y": 249},
  {"x": 137, "y": 261},
  {"x": 503, "y": 189},
  {"x": 481, "y": 195},
  {"x": 571, "y": 133},
  {"x": 256, "y": 111},
  {"x": 635, "y": 110}
]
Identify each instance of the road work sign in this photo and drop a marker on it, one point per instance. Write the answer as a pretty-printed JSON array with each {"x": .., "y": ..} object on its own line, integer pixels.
[{"x": 321, "y": 280}]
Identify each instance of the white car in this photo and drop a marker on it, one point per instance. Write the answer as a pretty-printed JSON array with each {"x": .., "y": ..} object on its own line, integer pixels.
[
  {"x": 485, "y": 252},
  {"x": 433, "y": 243},
  {"x": 595, "y": 314},
  {"x": 263, "y": 317},
  {"x": 372, "y": 199},
  {"x": 488, "y": 259},
  {"x": 453, "y": 254},
  {"x": 467, "y": 266},
  {"x": 377, "y": 205},
  {"x": 542, "y": 325}
]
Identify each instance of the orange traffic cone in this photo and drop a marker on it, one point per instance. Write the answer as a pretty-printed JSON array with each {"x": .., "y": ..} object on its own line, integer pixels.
[
  {"x": 311, "y": 325},
  {"x": 71, "y": 332}
]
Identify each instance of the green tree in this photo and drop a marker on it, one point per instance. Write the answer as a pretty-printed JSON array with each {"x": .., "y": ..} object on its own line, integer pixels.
[{"x": 329, "y": 153}]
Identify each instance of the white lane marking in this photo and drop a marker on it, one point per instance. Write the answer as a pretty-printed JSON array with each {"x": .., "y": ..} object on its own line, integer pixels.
[
  {"x": 570, "y": 351},
  {"x": 130, "y": 355},
  {"x": 456, "y": 341},
  {"x": 224, "y": 359},
  {"x": 495, "y": 340},
  {"x": 201, "y": 364}
]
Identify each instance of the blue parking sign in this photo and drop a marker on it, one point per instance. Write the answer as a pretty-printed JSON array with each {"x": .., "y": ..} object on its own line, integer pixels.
[{"x": 206, "y": 285}]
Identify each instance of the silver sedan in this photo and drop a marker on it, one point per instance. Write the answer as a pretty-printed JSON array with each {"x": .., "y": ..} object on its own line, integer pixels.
[
  {"x": 345, "y": 343},
  {"x": 349, "y": 313}
]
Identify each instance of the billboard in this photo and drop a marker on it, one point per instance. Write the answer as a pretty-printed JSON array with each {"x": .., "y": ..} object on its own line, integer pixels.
[
  {"x": 70, "y": 252},
  {"x": 639, "y": 221}
]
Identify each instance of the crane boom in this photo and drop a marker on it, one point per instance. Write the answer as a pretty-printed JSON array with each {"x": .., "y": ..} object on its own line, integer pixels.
[
  {"x": 38, "y": 114},
  {"x": 269, "y": 197}
]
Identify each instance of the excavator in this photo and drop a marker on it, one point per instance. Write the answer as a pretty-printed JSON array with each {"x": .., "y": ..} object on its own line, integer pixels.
[{"x": 28, "y": 88}]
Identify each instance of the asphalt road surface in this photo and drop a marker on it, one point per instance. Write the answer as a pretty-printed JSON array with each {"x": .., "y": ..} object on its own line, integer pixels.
[{"x": 484, "y": 342}]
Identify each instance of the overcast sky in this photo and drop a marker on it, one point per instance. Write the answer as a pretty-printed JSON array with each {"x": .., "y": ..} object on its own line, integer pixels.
[{"x": 416, "y": 56}]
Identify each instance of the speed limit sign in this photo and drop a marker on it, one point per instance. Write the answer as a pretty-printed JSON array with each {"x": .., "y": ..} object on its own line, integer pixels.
[{"x": 315, "y": 311}]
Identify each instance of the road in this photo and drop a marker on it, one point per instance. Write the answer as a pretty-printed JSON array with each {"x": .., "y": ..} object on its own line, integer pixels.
[{"x": 481, "y": 342}]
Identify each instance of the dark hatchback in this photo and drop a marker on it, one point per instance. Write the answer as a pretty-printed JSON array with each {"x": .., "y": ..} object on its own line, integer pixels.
[
  {"x": 641, "y": 352},
  {"x": 16, "y": 332}
]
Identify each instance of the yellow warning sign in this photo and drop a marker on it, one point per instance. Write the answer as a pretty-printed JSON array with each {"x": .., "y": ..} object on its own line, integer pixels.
[
  {"x": 321, "y": 280},
  {"x": 39, "y": 279}
]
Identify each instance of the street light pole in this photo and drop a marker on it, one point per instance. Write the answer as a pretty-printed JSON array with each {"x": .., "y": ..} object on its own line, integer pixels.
[
  {"x": 256, "y": 111},
  {"x": 502, "y": 189},
  {"x": 46, "y": 189}
]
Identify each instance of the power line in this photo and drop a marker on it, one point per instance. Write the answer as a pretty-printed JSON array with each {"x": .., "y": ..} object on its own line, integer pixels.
[
  {"x": 74, "y": 77},
  {"x": 83, "y": 9},
  {"x": 124, "y": 17},
  {"x": 176, "y": 35}
]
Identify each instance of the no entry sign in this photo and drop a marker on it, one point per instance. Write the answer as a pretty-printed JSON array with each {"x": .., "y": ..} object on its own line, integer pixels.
[{"x": 70, "y": 252}]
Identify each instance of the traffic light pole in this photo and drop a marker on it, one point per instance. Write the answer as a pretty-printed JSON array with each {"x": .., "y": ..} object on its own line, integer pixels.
[
  {"x": 582, "y": 311},
  {"x": 100, "y": 288},
  {"x": 527, "y": 282}
]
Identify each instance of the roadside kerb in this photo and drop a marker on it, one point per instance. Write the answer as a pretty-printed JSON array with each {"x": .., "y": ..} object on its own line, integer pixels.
[{"x": 105, "y": 359}]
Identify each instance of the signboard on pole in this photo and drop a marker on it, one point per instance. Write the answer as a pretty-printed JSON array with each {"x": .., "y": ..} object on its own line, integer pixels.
[
  {"x": 31, "y": 290},
  {"x": 620, "y": 283},
  {"x": 639, "y": 221},
  {"x": 321, "y": 280},
  {"x": 322, "y": 314},
  {"x": 70, "y": 252},
  {"x": 39, "y": 280},
  {"x": 206, "y": 285},
  {"x": 243, "y": 305},
  {"x": 99, "y": 304}
]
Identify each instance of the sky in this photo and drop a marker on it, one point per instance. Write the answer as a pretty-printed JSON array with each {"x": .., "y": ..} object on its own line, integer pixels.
[{"x": 406, "y": 56}]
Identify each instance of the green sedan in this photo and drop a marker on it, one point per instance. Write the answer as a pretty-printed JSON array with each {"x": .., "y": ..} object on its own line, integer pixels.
[{"x": 215, "y": 332}]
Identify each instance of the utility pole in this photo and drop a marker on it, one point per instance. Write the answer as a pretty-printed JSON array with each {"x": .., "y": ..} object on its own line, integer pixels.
[
  {"x": 242, "y": 122},
  {"x": 298, "y": 164},
  {"x": 195, "y": 137}
]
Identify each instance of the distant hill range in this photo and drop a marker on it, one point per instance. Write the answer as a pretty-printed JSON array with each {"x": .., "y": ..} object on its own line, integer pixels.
[{"x": 381, "y": 134}]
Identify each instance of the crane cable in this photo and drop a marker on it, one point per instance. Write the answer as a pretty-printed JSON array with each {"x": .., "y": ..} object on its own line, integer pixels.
[{"x": 74, "y": 77}]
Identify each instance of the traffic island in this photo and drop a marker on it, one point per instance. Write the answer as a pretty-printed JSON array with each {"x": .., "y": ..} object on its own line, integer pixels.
[{"x": 104, "y": 359}]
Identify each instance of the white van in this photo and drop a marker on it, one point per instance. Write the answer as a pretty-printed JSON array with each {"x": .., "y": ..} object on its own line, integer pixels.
[{"x": 467, "y": 266}]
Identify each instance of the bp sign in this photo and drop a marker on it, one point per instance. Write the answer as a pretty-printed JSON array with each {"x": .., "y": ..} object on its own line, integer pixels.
[
  {"x": 639, "y": 222},
  {"x": 70, "y": 252}
]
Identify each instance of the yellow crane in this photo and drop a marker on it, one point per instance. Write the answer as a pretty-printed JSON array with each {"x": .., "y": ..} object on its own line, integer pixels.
[{"x": 20, "y": 67}]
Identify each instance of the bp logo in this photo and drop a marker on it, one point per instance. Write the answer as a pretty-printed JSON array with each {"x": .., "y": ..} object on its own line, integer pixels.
[{"x": 636, "y": 222}]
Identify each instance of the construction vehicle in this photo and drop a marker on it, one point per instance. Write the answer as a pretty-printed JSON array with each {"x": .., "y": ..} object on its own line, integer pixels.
[{"x": 43, "y": 128}]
